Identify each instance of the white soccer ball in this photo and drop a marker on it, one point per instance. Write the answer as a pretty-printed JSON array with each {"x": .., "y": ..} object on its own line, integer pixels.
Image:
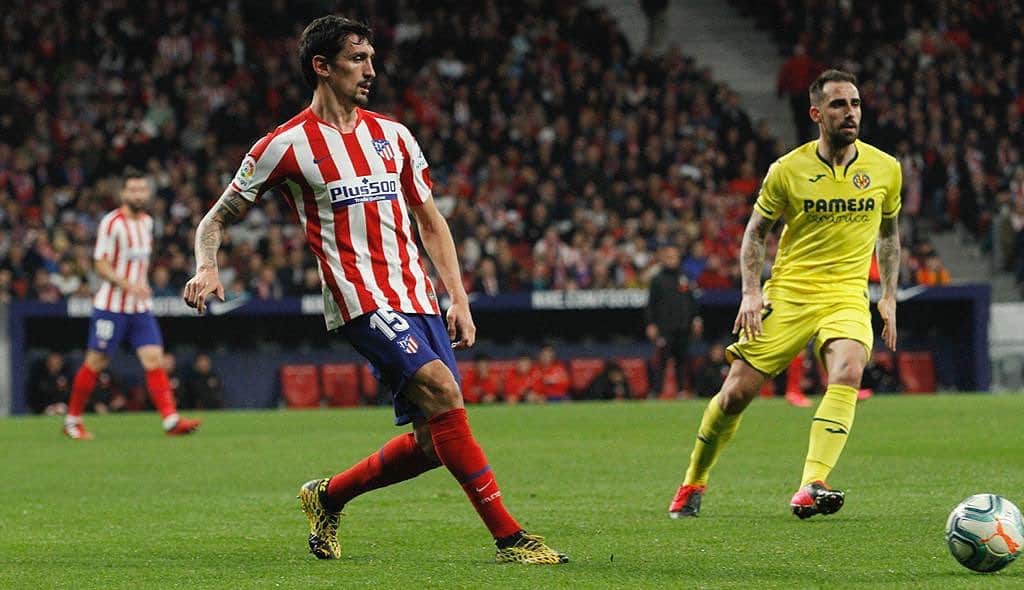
[{"x": 985, "y": 532}]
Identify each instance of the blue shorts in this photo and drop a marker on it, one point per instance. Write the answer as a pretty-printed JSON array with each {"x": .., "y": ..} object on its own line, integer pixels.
[
  {"x": 107, "y": 330},
  {"x": 397, "y": 345}
]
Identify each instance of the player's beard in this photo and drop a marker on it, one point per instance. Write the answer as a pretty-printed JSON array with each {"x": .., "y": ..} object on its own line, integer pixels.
[
  {"x": 838, "y": 139},
  {"x": 135, "y": 208}
]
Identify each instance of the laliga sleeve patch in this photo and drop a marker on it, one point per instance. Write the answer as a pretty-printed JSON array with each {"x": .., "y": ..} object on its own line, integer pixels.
[{"x": 245, "y": 173}]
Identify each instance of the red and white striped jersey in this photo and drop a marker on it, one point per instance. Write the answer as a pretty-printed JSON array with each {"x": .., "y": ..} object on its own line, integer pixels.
[
  {"x": 127, "y": 244},
  {"x": 352, "y": 193}
]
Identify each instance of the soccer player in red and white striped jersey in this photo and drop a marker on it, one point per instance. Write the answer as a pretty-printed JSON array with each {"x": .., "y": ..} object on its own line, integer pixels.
[
  {"x": 122, "y": 309},
  {"x": 354, "y": 178}
]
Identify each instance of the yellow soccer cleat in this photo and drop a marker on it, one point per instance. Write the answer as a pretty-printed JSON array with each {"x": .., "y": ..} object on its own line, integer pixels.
[
  {"x": 323, "y": 524},
  {"x": 526, "y": 548}
]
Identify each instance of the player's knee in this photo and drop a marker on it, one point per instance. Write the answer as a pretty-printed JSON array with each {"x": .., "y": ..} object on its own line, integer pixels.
[
  {"x": 96, "y": 361},
  {"x": 847, "y": 372}
]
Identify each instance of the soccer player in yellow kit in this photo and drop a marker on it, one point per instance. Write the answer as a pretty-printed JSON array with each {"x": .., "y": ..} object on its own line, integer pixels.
[{"x": 839, "y": 197}]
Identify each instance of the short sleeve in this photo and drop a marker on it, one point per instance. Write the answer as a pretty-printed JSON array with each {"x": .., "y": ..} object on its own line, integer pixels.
[
  {"x": 415, "y": 174},
  {"x": 771, "y": 200},
  {"x": 892, "y": 201},
  {"x": 106, "y": 239},
  {"x": 259, "y": 170}
]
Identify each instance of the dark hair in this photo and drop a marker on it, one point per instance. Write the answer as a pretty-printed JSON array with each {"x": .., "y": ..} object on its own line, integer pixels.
[
  {"x": 817, "y": 89},
  {"x": 133, "y": 173},
  {"x": 326, "y": 36}
]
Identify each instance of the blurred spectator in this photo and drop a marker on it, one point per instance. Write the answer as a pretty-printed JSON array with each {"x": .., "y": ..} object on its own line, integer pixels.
[
  {"x": 795, "y": 78},
  {"x": 203, "y": 388},
  {"x": 673, "y": 317},
  {"x": 880, "y": 373},
  {"x": 552, "y": 380},
  {"x": 110, "y": 396},
  {"x": 610, "y": 383},
  {"x": 49, "y": 385},
  {"x": 170, "y": 366},
  {"x": 932, "y": 273},
  {"x": 709, "y": 379},
  {"x": 481, "y": 383},
  {"x": 519, "y": 383},
  {"x": 161, "y": 283}
]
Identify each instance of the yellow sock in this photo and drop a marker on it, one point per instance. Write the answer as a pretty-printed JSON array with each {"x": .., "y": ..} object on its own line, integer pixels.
[
  {"x": 716, "y": 429},
  {"x": 829, "y": 431}
]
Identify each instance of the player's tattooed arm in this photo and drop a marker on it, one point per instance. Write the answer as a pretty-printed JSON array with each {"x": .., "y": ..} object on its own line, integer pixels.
[
  {"x": 889, "y": 268},
  {"x": 230, "y": 207},
  {"x": 889, "y": 255},
  {"x": 753, "y": 250},
  {"x": 752, "y": 254}
]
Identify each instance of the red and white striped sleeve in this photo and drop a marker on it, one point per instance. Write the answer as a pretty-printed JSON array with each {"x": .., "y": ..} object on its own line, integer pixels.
[
  {"x": 107, "y": 237},
  {"x": 415, "y": 173},
  {"x": 261, "y": 168}
]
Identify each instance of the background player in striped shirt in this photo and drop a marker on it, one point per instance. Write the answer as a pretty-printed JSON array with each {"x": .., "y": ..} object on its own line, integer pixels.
[
  {"x": 122, "y": 309},
  {"x": 352, "y": 177}
]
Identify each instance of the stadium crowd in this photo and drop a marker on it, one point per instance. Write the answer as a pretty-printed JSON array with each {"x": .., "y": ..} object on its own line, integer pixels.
[
  {"x": 562, "y": 159},
  {"x": 942, "y": 86}
]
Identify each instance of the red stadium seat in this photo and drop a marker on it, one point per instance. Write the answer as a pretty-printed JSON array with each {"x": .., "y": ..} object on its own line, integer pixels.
[
  {"x": 917, "y": 371},
  {"x": 341, "y": 384},
  {"x": 369, "y": 387},
  {"x": 464, "y": 367},
  {"x": 583, "y": 371},
  {"x": 636, "y": 374},
  {"x": 300, "y": 386}
]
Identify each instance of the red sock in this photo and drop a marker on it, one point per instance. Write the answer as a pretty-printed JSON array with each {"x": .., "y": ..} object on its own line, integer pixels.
[
  {"x": 81, "y": 390},
  {"x": 401, "y": 458},
  {"x": 460, "y": 453},
  {"x": 795, "y": 374},
  {"x": 160, "y": 392}
]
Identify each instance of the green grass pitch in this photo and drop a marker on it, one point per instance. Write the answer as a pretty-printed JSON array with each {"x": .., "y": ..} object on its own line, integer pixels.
[{"x": 135, "y": 509}]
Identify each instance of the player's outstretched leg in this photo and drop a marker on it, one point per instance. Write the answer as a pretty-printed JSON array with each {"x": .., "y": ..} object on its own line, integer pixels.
[
  {"x": 716, "y": 430},
  {"x": 403, "y": 457},
  {"x": 81, "y": 389},
  {"x": 436, "y": 394},
  {"x": 457, "y": 448},
  {"x": 829, "y": 432},
  {"x": 159, "y": 387},
  {"x": 323, "y": 523},
  {"x": 816, "y": 498}
]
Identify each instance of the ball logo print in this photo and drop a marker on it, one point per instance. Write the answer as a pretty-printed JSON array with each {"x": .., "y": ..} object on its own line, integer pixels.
[{"x": 985, "y": 532}]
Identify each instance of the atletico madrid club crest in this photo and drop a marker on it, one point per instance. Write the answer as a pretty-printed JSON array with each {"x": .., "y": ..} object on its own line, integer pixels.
[
  {"x": 861, "y": 180},
  {"x": 408, "y": 344},
  {"x": 384, "y": 149}
]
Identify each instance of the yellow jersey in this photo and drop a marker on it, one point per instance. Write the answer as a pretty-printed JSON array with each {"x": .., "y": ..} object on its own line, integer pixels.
[{"x": 832, "y": 218}]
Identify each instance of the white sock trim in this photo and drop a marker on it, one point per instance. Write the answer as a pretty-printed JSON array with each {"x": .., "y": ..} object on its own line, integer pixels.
[
  {"x": 70, "y": 420},
  {"x": 171, "y": 421}
]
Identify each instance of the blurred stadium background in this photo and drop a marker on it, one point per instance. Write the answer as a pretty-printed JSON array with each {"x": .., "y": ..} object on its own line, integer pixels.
[{"x": 568, "y": 141}]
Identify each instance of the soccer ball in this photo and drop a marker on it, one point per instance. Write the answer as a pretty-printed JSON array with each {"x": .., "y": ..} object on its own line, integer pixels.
[{"x": 985, "y": 532}]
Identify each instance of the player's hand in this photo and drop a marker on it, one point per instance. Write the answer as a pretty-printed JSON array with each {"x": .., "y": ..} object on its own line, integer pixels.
[
  {"x": 206, "y": 282},
  {"x": 461, "y": 329},
  {"x": 138, "y": 290},
  {"x": 748, "y": 319},
  {"x": 887, "y": 309}
]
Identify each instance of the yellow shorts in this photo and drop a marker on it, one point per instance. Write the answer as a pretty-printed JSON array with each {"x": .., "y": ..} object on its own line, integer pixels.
[{"x": 786, "y": 327}]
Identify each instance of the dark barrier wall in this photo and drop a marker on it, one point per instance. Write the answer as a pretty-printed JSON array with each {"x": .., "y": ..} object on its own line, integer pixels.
[{"x": 250, "y": 339}]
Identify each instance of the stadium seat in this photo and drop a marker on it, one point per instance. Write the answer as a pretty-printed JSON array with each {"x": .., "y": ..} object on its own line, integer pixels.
[
  {"x": 582, "y": 372},
  {"x": 341, "y": 384},
  {"x": 917, "y": 371},
  {"x": 636, "y": 373},
  {"x": 503, "y": 368},
  {"x": 300, "y": 386},
  {"x": 369, "y": 386}
]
